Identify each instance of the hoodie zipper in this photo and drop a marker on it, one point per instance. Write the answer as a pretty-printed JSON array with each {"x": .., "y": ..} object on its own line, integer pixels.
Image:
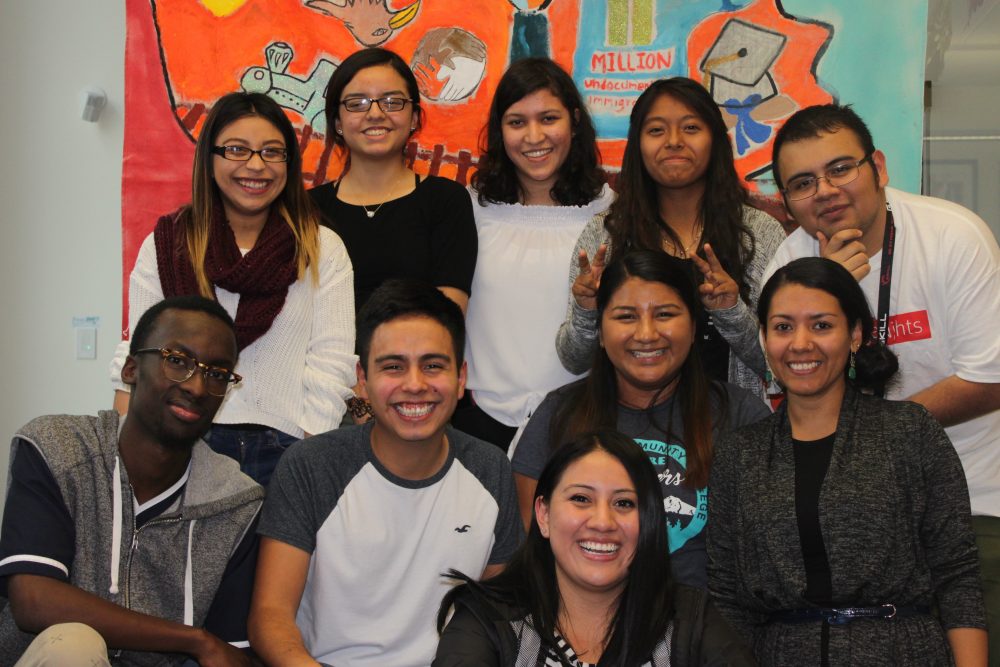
[{"x": 135, "y": 546}]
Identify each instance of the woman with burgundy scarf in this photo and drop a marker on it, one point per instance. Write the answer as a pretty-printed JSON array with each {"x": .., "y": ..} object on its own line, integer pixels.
[{"x": 250, "y": 239}]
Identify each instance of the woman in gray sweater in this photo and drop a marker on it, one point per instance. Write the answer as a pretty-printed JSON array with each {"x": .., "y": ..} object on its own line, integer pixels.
[
  {"x": 679, "y": 192},
  {"x": 839, "y": 522}
]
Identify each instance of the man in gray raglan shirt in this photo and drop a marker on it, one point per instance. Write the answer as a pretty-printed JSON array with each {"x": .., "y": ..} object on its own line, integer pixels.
[{"x": 360, "y": 523}]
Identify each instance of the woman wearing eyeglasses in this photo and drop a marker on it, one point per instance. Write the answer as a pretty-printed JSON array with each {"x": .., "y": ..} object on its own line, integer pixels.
[
  {"x": 394, "y": 223},
  {"x": 250, "y": 239}
]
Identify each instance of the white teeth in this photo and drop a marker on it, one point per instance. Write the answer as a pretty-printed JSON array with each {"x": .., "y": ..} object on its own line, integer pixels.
[
  {"x": 803, "y": 365},
  {"x": 538, "y": 153},
  {"x": 600, "y": 547},
  {"x": 254, "y": 185},
  {"x": 414, "y": 410},
  {"x": 376, "y": 131},
  {"x": 646, "y": 354}
]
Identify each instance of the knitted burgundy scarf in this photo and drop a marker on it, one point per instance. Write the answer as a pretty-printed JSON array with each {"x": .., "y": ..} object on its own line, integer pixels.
[{"x": 261, "y": 277}]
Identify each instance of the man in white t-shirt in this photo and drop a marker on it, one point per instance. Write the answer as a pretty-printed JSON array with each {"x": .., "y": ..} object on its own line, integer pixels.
[
  {"x": 932, "y": 279},
  {"x": 361, "y": 523}
]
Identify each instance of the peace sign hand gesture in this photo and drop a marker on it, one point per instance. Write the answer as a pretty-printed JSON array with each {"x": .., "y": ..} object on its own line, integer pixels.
[
  {"x": 719, "y": 291},
  {"x": 589, "y": 279}
]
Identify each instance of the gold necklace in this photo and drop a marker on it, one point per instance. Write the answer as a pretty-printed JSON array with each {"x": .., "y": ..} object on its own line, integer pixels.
[{"x": 685, "y": 251}]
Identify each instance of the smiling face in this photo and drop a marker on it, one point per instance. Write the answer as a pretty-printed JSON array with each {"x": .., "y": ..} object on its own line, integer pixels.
[
  {"x": 592, "y": 524},
  {"x": 412, "y": 381},
  {"x": 675, "y": 143},
  {"x": 647, "y": 332},
  {"x": 376, "y": 133},
  {"x": 537, "y": 134},
  {"x": 249, "y": 188},
  {"x": 859, "y": 204},
  {"x": 808, "y": 340},
  {"x": 175, "y": 414}
]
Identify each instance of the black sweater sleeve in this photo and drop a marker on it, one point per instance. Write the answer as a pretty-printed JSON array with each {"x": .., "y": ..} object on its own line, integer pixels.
[{"x": 468, "y": 641}]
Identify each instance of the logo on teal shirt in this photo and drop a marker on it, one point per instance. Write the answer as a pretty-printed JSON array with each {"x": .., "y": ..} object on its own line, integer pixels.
[{"x": 684, "y": 521}]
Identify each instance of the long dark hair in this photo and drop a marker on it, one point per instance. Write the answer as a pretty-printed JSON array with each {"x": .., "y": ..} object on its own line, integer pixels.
[
  {"x": 580, "y": 178},
  {"x": 292, "y": 204},
  {"x": 591, "y": 404},
  {"x": 874, "y": 363},
  {"x": 634, "y": 220},
  {"x": 529, "y": 583}
]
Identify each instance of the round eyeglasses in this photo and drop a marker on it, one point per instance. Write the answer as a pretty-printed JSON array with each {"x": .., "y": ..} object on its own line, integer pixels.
[
  {"x": 179, "y": 367},
  {"x": 839, "y": 175},
  {"x": 243, "y": 154},
  {"x": 386, "y": 104}
]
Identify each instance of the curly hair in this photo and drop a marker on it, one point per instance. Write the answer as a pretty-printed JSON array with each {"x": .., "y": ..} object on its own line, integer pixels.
[{"x": 580, "y": 177}]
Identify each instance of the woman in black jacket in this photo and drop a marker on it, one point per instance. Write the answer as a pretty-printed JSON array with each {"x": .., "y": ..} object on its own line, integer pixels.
[{"x": 591, "y": 584}]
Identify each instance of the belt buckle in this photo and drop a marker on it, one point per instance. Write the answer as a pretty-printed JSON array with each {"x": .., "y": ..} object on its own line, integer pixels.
[
  {"x": 839, "y": 617},
  {"x": 845, "y": 615}
]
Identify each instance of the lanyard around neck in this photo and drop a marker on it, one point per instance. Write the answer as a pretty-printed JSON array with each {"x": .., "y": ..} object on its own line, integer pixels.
[{"x": 881, "y": 324}]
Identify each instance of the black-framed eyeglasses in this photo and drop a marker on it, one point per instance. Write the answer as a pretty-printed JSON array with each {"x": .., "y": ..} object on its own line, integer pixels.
[
  {"x": 839, "y": 175},
  {"x": 243, "y": 154},
  {"x": 386, "y": 104},
  {"x": 179, "y": 367}
]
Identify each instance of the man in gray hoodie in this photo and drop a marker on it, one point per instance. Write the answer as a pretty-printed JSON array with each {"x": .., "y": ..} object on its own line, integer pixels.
[{"x": 129, "y": 533}]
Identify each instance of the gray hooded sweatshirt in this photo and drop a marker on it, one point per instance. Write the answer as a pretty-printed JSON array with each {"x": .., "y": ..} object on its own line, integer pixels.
[{"x": 171, "y": 567}]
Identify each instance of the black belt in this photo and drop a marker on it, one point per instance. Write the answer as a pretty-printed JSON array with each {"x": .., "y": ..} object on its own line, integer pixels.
[
  {"x": 243, "y": 427},
  {"x": 843, "y": 615}
]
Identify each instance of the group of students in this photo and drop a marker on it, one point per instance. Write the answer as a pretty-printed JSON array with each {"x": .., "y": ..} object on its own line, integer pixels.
[{"x": 671, "y": 518}]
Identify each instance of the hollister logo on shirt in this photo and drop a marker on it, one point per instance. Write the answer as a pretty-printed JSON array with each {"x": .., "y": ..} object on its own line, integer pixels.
[{"x": 906, "y": 327}]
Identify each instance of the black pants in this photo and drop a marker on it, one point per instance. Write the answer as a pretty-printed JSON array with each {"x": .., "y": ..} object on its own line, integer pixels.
[{"x": 470, "y": 418}]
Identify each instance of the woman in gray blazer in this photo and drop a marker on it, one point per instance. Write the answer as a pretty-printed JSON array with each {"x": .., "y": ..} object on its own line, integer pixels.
[{"x": 841, "y": 521}]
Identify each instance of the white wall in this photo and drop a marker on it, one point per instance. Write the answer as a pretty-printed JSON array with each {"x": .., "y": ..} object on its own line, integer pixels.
[
  {"x": 60, "y": 205},
  {"x": 964, "y": 101}
]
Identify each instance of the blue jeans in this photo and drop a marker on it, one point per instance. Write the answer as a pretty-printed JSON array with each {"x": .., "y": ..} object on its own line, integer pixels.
[{"x": 256, "y": 448}]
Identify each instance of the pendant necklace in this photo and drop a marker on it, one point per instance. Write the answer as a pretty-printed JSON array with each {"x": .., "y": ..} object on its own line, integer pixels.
[{"x": 371, "y": 214}]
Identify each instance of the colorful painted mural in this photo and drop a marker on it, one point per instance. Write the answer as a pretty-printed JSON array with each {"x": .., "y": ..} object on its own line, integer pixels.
[{"x": 760, "y": 61}]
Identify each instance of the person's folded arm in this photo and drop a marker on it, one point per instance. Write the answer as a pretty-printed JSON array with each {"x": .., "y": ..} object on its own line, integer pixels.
[
  {"x": 953, "y": 400},
  {"x": 38, "y": 602}
]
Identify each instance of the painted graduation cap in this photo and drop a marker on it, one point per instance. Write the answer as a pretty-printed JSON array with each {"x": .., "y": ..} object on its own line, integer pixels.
[{"x": 736, "y": 67}]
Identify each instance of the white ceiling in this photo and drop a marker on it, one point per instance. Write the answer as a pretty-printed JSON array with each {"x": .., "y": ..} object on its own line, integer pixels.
[
  {"x": 963, "y": 42},
  {"x": 976, "y": 24}
]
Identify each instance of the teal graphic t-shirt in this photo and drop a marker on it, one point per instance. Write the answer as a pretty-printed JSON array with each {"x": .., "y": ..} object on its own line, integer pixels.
[{"x": 686, "y": 508}]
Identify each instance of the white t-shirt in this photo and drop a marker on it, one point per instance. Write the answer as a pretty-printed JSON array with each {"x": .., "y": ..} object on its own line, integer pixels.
[
  {"x": 944, "y": 317},
  {"x": 519, "y": 295}
]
